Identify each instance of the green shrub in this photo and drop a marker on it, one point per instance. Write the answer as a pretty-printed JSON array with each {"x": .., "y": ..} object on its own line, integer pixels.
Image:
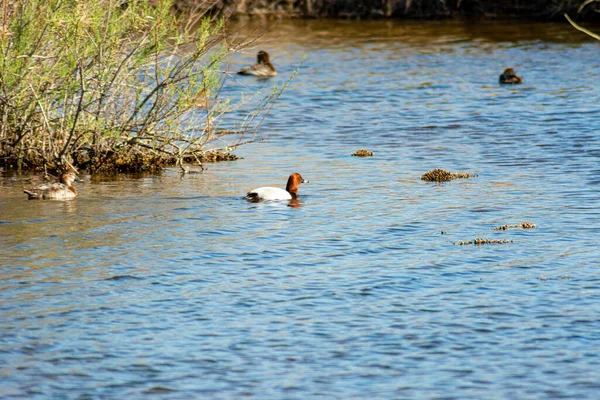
[{"x": 108, "y": 84}]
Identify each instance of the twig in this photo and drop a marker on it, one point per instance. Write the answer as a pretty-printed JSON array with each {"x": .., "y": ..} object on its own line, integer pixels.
[
  {"x": 582, "y": 29},
  {"x": 77, "y": 113},
  {"x": 585, "y": 3}
]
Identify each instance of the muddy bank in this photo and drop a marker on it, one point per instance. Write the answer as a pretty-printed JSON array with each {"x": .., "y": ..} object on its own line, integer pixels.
[{"x": 544, "y": 10}]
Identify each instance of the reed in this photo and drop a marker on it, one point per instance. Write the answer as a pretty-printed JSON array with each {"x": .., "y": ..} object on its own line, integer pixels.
[{"x": 112, "y": 85}]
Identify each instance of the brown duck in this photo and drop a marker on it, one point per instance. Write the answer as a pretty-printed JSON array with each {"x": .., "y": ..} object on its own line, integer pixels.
[
  {"x": 510, "y": 77},
  {"x": 263, "y": 66},
  {"x": 56, "y": 191}
]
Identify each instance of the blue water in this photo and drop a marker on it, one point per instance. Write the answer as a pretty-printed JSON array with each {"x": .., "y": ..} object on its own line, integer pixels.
[{"x": 176, "y": 287}]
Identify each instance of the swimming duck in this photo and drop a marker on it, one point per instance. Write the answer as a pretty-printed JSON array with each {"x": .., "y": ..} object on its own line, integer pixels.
[
  {"x": 263, "y": 66},
  {"x": 509, "y": 76},
  {"x": 56, "y": 191},
  {"x": 272, "y": 193}
]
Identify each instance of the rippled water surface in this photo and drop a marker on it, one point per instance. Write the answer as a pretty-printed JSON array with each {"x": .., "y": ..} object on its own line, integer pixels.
[{"x": 170, "y": 287}]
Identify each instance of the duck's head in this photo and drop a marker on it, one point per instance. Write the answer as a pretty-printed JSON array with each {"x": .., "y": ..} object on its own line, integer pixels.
[
  {"x": 68, "y": 177},
  {"x": 294, "y": 180},
  {"x": 509, "y": 72},
  {"x": 263, "y": 57}
]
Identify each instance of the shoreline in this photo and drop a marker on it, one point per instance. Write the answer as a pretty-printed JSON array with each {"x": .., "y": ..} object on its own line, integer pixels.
[{"x": 541, "y": 10}]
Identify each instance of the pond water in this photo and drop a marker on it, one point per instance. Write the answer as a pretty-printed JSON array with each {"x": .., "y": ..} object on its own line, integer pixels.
[{"x": 171, "y": 287}]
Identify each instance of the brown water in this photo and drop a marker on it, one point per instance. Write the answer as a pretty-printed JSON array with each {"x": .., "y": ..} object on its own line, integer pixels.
[{"x": 171, "y": 287}]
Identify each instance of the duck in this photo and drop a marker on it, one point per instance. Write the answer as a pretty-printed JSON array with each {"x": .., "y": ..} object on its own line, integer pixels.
[
  {"x": 263, "y": 66},
  {"x": 273, "y": 193},
  {"x": 510, "y": 77},
  {"x": 56, "y": 191}
]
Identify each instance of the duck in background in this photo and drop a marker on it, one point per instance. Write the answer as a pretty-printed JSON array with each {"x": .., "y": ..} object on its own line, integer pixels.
[
  {"x": 273, "y": 193},
  {"x": 510, "y": 77},
  {"x": 263, "y": 66},
  {"x": 56, "y": 191}
]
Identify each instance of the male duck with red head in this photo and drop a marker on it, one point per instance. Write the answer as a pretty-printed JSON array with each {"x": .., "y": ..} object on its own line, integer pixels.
[{"x": 273, "y": 193}]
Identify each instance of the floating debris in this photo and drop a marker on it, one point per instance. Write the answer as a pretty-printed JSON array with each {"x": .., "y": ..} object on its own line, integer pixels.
[
  {"x": 442, "y": 175},
  {"x": 480, "y": 241},
  {"x": 363, "y": 153},
  {"x": 545, "y": 278},
  {"x": 524, "y": 225}
]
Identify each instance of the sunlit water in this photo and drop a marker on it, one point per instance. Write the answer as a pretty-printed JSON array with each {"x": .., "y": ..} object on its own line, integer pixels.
[{"x": 169, "y": 287}]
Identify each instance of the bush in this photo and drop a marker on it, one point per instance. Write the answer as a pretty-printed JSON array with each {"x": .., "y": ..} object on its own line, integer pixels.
[{"x": 109, "y": 84}]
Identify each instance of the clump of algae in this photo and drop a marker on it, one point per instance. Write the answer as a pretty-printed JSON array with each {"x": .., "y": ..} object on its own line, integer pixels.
[
  {"x": 363, "y": 153},
  {"x": 524, "y": 225},
  {"x": 442, "y": 175},
  {"x": 480, "y": 241}
]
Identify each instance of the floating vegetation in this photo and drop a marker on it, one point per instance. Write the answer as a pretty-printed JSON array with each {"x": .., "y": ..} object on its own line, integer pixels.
[
  {"x": 214, "y": 155},
  {"x": 524, "y": 225},
  {"x": 363, "y": 153},
  {"x": 480, "y": 241},
  {"x": 218, "y": 155},
  {"x": 442, "y": 175}
]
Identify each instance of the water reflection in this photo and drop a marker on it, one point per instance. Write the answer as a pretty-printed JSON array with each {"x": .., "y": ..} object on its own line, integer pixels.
[
  {"x": 335, "y": 33},
  {"x": 294, "y": 203}
]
